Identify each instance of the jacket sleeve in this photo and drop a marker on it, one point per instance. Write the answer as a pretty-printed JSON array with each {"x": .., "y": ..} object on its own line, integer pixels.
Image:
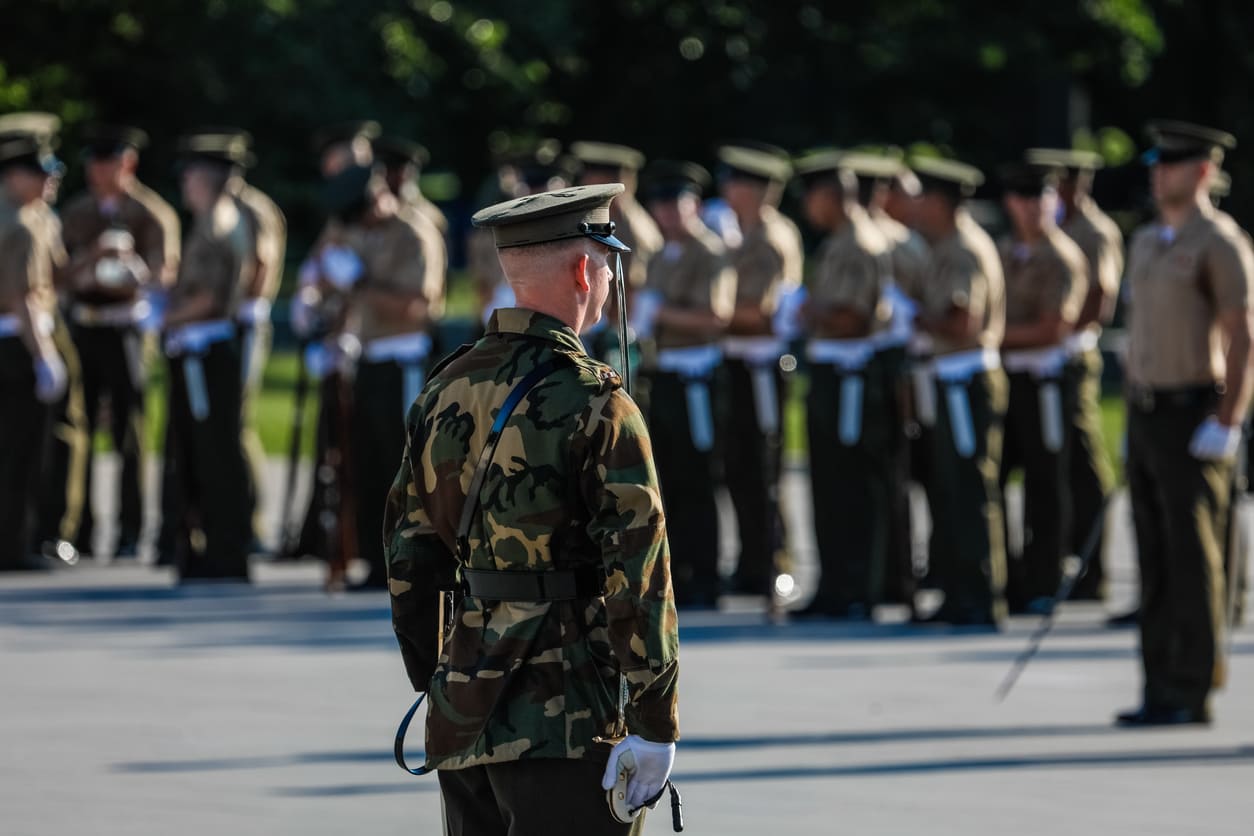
[
  {"x": 620, "y": 485},
  {"x": 419, "y": 567}
]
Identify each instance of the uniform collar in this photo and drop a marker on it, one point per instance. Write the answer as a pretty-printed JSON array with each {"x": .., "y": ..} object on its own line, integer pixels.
[{"x": 530, "y": 323}]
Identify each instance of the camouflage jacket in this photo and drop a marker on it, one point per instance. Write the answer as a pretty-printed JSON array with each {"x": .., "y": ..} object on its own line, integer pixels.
[{"x": 572, "y": 483}]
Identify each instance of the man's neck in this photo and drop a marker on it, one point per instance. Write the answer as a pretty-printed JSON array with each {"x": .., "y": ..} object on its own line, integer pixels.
[
  {"x": 563, "y": 310},
  {"x": 752, "y": 218},
  {"x": 1176, "y": 216},
  {"x": 945, "y": 227},
  {"x": 1031, "y": 236}
]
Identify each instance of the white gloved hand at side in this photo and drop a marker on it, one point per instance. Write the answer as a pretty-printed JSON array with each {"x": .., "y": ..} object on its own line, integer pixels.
[
  {"x": 50, "y": 379},
  {"x": 1213, "y": 441},
  {"x": 653, "y": 762}
]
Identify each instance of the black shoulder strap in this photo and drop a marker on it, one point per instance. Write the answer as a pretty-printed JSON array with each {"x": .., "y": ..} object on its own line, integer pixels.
[{"x": 471, "y": 508}]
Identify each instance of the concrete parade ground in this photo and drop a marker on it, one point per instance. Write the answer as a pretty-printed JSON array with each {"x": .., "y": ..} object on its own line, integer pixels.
[{"x": 131, "y": 707}]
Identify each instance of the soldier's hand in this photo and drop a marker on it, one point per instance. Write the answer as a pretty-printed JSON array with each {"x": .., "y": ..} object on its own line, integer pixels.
[
  {"x": 1213, "y": 441},
  {"x": 50, "y": 379},
  {"x": 652, "y": 767}
]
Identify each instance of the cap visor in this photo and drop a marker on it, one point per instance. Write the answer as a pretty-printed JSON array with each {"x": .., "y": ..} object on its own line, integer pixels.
[{"x": 611, "y": 242}]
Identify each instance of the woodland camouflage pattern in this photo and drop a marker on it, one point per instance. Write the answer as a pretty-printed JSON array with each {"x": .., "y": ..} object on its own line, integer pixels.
[{"x": 572, "y": 483}]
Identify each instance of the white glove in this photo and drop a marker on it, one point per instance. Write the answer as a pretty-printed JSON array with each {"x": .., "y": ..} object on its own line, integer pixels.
[
  {"x": 342, "y": 267},
  {"x": 50, "y": 379},
  {"x": 1213, "y": 441},
  {"x": 648, "y": 765}
]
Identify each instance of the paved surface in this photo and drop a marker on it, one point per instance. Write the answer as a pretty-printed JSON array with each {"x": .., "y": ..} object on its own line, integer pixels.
[{"x": 130, "y": 707}]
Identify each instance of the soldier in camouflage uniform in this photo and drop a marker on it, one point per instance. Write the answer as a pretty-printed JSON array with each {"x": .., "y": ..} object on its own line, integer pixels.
[{"x": 525, "y": 682}]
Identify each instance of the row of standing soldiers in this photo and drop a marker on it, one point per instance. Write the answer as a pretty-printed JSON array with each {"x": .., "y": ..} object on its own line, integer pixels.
[
  {"x": 84, "y": 292},
  {"x": 934, "y": 354}
]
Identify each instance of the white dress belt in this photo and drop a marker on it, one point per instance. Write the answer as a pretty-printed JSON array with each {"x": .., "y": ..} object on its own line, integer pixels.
[
  {"x": 696, "y": 361},
  {"x": 961, "y": 366},
  {"x": 847, "y": 355},
  {"x": 1039, "y": 362},
  {"x": 402, "y": 348},
  {"x": 196, "y": 337},
  {"x": 754, "y": 350}
]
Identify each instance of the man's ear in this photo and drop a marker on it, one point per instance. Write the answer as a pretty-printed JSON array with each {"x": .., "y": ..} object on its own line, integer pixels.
[{"x": 581, "y": 273}]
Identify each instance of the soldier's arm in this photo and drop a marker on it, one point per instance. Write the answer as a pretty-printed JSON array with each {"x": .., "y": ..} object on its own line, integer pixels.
[
  {"x": 1062, "y": 306},
  {"x": 844, "y": 307},
  {"x": 419, "y": 566},
  {"x": 968, "y": 291},
  {"x": 753, "y": 315},
  {"x": 620, "y": 485},
  {"x": 1229, "y": 273}
]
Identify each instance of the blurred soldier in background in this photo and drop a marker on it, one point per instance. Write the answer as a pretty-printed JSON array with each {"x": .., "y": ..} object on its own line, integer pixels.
[
  {"x": 1046, "y": 285},
  {"x": 403, "y": 162},
  {"x": 123, "y": 243},
  {"x": 1189, "y": 386},
  {"x": 768, "y": 264},
  {"x": 849, "y": 428},
  {"x": 391, "y": 265},
  {"x": 32, "y": 371},
  {"x": 602, "y": 163},
  {"x": 964, "y": 311},
  {"x": 317, "y": 320},
  {"x": 1089, "y": 474},
  {"x": 688, "y": 301},
  {"x": 886, "y": 185},
  {"x": 536, "y": 167},
  {"x": 208, "y": 489}
]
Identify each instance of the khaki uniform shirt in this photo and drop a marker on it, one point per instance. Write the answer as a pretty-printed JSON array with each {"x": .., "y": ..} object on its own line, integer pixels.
[
  {"x": 404, "y": 252},
  {"x": 1047, "y": 278},
  {"x": 768, "y": 260},
  {"x": 269, "y": 231},
  {"x": 637, "y": 230},
  {"x": 965, "y": 272},
  {"x": 695, "y": 274},
  {"x": 151, "y": 221},
  {"x": 909, "y": 253},
  {"x": 1177, "y": 286},
  {"x": 853, "y": 268},
  {"x": 1101, "y": 242},
  {"x": 217, "y": 257},
  {"x": 26, "y": 258},
  {"x": 482, "y": 262}
]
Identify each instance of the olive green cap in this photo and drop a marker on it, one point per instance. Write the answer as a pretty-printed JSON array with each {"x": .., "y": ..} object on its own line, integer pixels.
[
  {"x": 1028, "y": 179},
  {"x": 226, "y": 148},
  {"x": 29, "y": 123},
  {"x": 575, "y": 212},
  {"x": 871, "y": 166},
  {"x": 30, "y": 152},
  {"x": 948, "y": 176},
  {"x": 1073, "y": 160},
  {"x": 103, "y": 141},
  {"x": 607, "y": 155},
  {"x": 1176, "y": 141},
  {"x": 329, "y": 135},
  {"x": 754, "y": 163},
  {"x": 668, "y": 179},
  {"x": 394, "y": 151}
]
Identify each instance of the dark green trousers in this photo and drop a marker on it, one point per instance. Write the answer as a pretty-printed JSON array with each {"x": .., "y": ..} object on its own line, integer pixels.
[
  {"x": 209, "y": 494},
  {"x": 1089, "y": 472},
  {"x": 542, "y": 797},
  {"x": 891, "y": 366},
  {"x": 378, "y": 445},
  {"x": 687, "y": 479},
  {"x": 751, "y": 469},
  {"x": 257, "y": 337},
  {"x": 62, "y": 493},
  {"x": 851, "y": 489},
  {"x": 23, "y": 424},
  {"x": 1046, "y": 499},
  {"x": 110, "y": 358},
  {"x": 1180, "y": 513},
  {"x": 969, "y": 554},
  {"x": 323, "y": 502}
]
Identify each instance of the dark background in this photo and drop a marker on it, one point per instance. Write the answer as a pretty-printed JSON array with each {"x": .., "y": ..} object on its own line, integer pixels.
[{"x": 977, "y": 79}]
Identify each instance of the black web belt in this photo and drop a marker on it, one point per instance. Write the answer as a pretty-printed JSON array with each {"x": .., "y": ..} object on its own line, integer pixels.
[{"x": 517, "y": 585}]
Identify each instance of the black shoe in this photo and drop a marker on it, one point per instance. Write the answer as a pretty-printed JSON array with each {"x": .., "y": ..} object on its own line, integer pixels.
[
  {"x": 126, "y": 549},
  {"x": 32, "y": 563},
  {"x": 1129, "y": 619},
  {"x": 1152, "y": 716},
  {"x": 748, "y": 585}
]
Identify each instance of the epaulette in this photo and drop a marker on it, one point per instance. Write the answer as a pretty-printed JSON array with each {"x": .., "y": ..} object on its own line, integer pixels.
[
  {"x": 607, "y": 376},
  {"x": 449, "y": 358}
]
